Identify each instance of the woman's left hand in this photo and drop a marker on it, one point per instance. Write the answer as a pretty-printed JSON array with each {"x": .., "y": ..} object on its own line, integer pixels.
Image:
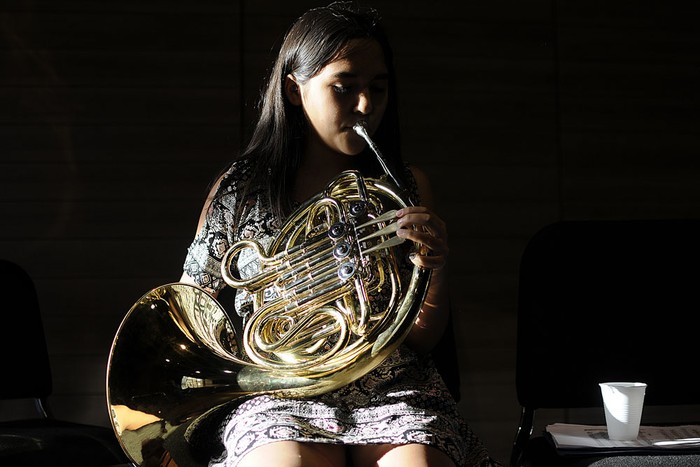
[{"x": 430, "y": 231}]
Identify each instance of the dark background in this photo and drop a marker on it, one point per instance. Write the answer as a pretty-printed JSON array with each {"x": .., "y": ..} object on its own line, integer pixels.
[{"x": 116, "y": 114}]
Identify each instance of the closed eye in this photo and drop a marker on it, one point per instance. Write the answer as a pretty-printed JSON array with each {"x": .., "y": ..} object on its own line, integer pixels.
[{"x": 340, "y": 89}]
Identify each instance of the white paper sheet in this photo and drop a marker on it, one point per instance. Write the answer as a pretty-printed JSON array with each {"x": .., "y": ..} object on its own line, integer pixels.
[{"x": 572, "y": 436}]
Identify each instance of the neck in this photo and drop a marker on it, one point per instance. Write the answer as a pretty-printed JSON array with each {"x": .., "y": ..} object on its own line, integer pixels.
[{"x": 319, "y": 166}]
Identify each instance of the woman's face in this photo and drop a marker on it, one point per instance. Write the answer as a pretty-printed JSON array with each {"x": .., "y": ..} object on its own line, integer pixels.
[{"x": 351, "y": 88}]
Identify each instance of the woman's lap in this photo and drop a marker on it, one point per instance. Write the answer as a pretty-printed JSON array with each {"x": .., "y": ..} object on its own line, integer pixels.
[{"x": 297, "y": 454}]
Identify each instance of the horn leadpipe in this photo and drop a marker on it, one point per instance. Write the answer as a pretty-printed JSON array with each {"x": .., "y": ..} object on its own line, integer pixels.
[{"x": 361, "y": 129}]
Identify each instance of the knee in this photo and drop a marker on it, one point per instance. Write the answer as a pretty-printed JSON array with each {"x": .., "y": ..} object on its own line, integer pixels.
[{"x": 295, "y": 454}]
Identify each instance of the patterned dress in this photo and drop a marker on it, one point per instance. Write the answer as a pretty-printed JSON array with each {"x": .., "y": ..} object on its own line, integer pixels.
[{"x": 404, "y": 400}]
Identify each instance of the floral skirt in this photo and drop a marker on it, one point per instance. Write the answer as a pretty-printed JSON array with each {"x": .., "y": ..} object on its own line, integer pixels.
[{"x": 402, "y": 401}]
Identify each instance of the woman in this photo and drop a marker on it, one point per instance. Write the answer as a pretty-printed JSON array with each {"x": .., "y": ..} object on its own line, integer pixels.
[{"x": 333, "y": 70}]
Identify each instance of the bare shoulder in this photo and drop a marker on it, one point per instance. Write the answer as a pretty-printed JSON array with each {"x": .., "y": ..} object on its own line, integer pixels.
[
  {"x": 425, "y": 191},
  {"x": 214, "y": 190}
]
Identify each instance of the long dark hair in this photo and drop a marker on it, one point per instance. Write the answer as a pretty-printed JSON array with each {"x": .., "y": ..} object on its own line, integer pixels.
[{"x": 314, "y": 39}]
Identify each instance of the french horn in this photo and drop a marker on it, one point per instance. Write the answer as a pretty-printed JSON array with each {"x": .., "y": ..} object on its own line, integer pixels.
[{"x": 334, "y": 296}]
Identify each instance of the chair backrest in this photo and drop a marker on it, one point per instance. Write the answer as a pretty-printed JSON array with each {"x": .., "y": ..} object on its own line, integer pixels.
[
  {"x": 24, "y": 359},
  {"x": 608, "y": 300}
]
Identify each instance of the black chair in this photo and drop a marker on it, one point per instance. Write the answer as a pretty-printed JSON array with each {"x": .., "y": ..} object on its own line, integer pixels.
[
  {"x": 607, "y": 300},
  {"x": 41, "y": 439}
]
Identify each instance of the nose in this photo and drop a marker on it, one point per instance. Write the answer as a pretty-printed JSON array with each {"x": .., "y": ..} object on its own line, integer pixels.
[{"x": 364, "y": 102}]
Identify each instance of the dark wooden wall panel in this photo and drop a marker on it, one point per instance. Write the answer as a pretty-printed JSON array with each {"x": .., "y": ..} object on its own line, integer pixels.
[
  {"x": 629, "y": 109},
  {"x": 115, "y": 115}
]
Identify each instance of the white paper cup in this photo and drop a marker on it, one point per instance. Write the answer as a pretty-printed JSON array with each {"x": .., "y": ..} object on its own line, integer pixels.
[{"x": 623, "y": 403}]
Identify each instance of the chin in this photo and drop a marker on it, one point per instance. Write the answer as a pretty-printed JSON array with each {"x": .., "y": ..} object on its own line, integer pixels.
[
  {"x": 354, "y": 144},
  {"x": 353, "y": 152},
  {"x": 354, "y": 148}
]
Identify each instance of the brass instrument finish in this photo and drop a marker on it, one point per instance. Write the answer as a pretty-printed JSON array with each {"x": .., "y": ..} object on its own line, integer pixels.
[{"x": 334, "y": 296}]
